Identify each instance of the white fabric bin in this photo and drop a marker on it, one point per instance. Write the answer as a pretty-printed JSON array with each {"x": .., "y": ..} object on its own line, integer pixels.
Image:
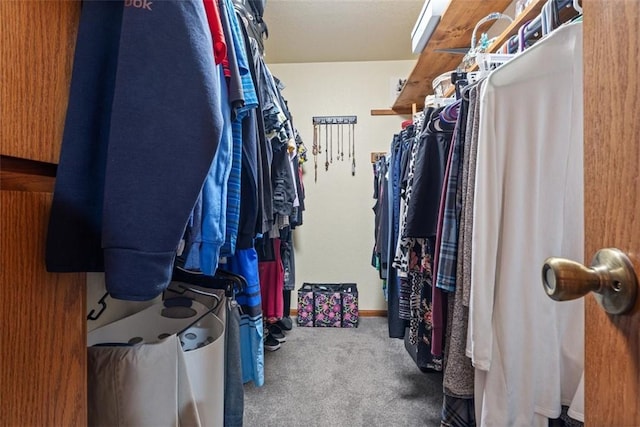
[{"x": 141, "y": 373}]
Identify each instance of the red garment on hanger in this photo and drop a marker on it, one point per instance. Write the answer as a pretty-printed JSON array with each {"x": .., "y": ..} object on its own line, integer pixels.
[
  {"x": 272, "y": 284},
  {"x": 217, "y": 33}
]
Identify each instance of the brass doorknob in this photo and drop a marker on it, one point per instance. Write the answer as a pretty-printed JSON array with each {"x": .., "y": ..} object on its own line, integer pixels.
[{"x": 611, "y": 278}]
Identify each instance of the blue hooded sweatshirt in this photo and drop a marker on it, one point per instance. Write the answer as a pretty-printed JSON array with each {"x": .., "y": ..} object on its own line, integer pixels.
[{"x": 142, "y": 127}]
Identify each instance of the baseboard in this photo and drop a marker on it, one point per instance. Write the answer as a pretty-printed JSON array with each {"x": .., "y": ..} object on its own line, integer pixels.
[{"x": 363, "y": 313}]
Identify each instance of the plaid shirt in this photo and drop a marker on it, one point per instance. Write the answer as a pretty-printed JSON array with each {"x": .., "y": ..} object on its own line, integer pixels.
[{"x": 448, "y": 255}]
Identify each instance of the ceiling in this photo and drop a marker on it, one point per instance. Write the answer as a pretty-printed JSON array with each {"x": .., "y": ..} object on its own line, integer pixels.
[{"x": 339, "y": 30}]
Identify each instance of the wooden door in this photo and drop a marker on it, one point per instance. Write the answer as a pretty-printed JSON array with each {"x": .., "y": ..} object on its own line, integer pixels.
[
  {"x": 612, "y": 201},
  {"x": 43, "y": 370}
]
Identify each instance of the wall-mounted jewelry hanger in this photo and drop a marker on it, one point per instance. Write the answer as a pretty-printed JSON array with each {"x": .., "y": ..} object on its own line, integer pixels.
[{"x": 333, "y": 128}]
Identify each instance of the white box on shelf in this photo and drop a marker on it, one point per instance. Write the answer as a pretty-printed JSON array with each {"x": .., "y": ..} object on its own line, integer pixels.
[{"x": 426, "y": 24}]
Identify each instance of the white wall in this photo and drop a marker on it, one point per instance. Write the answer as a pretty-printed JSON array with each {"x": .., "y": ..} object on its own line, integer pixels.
[{"x": 336, "y": 240}]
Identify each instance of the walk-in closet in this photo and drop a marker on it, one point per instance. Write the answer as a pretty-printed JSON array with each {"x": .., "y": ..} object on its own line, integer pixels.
[{"x": 274, "y": 213}]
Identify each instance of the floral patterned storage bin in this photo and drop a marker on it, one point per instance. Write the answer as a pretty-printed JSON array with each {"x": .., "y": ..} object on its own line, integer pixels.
[
  {"x": 327, "y": 307},
  {"x": 305, "y": 306},
  {"x": 350, "y": 313}
]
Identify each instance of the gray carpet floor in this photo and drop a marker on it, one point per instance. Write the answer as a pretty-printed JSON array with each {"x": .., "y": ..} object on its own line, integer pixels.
[{"x": 326, "y": 377}]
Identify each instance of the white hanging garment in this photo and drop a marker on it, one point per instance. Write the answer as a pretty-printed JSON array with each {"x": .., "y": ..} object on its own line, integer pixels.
[{"x": 526, "y": 348}]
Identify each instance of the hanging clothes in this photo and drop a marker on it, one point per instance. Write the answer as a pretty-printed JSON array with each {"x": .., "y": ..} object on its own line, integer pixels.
[
  {"x": 217, "y": 33},
  {"x": 474, "y": 227},
  {"x": 137, "y": 143},
  {"x": 406, "y": 244},
  {"x": 301, "y": 159},
  {"x": 245, "y": 263},
  {"x": 431, "y": 162},
  {"x": 458, "y": 409},
  {"x": 416, "y": 249},
  {"x": 255, "y": 195},
  {"x": 214, "y": 195},
  {"x": 526, "y": 348},
  {"x": 380, "y": 222},
  {"x": 397, "y": 325},
  {"x": 451, "y": 205},
  {"x": 216, "y": 236},
  {"x": 242, "y": 103},
  {"x": 406, "y": 261},
  {"x": 432, "y": 308},
  {"x": 448, "y": 121},
  {"x": 271, "y": 278},
  {"x": 287, "y": 255}
]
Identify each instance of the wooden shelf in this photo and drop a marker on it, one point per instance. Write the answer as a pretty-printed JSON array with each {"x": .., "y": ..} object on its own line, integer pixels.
[
  {"x": 531, "y": 12},
  {"x": 453, "y": 31},
  {"x": 385, "y": 112}
]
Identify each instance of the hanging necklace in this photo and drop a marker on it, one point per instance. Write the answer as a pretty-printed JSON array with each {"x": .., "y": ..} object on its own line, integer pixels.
[
  {"x": 353, "y": 159},
  {"x": 326, "y": 147},
  {"x": 315, "y": 152},
  {"x": 342, "y": 140},
  {"x": 349, "y": 148},
  {"x": 331, "y": 139}
]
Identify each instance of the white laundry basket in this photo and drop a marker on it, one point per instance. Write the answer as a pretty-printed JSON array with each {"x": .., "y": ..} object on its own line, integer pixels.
[{"x": 163, "y": 366}]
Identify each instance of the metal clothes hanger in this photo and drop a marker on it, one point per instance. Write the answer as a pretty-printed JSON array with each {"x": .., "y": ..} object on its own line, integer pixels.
[
  {"x": 222, "y": 279},
  {"x": 93, "y": 315}
]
